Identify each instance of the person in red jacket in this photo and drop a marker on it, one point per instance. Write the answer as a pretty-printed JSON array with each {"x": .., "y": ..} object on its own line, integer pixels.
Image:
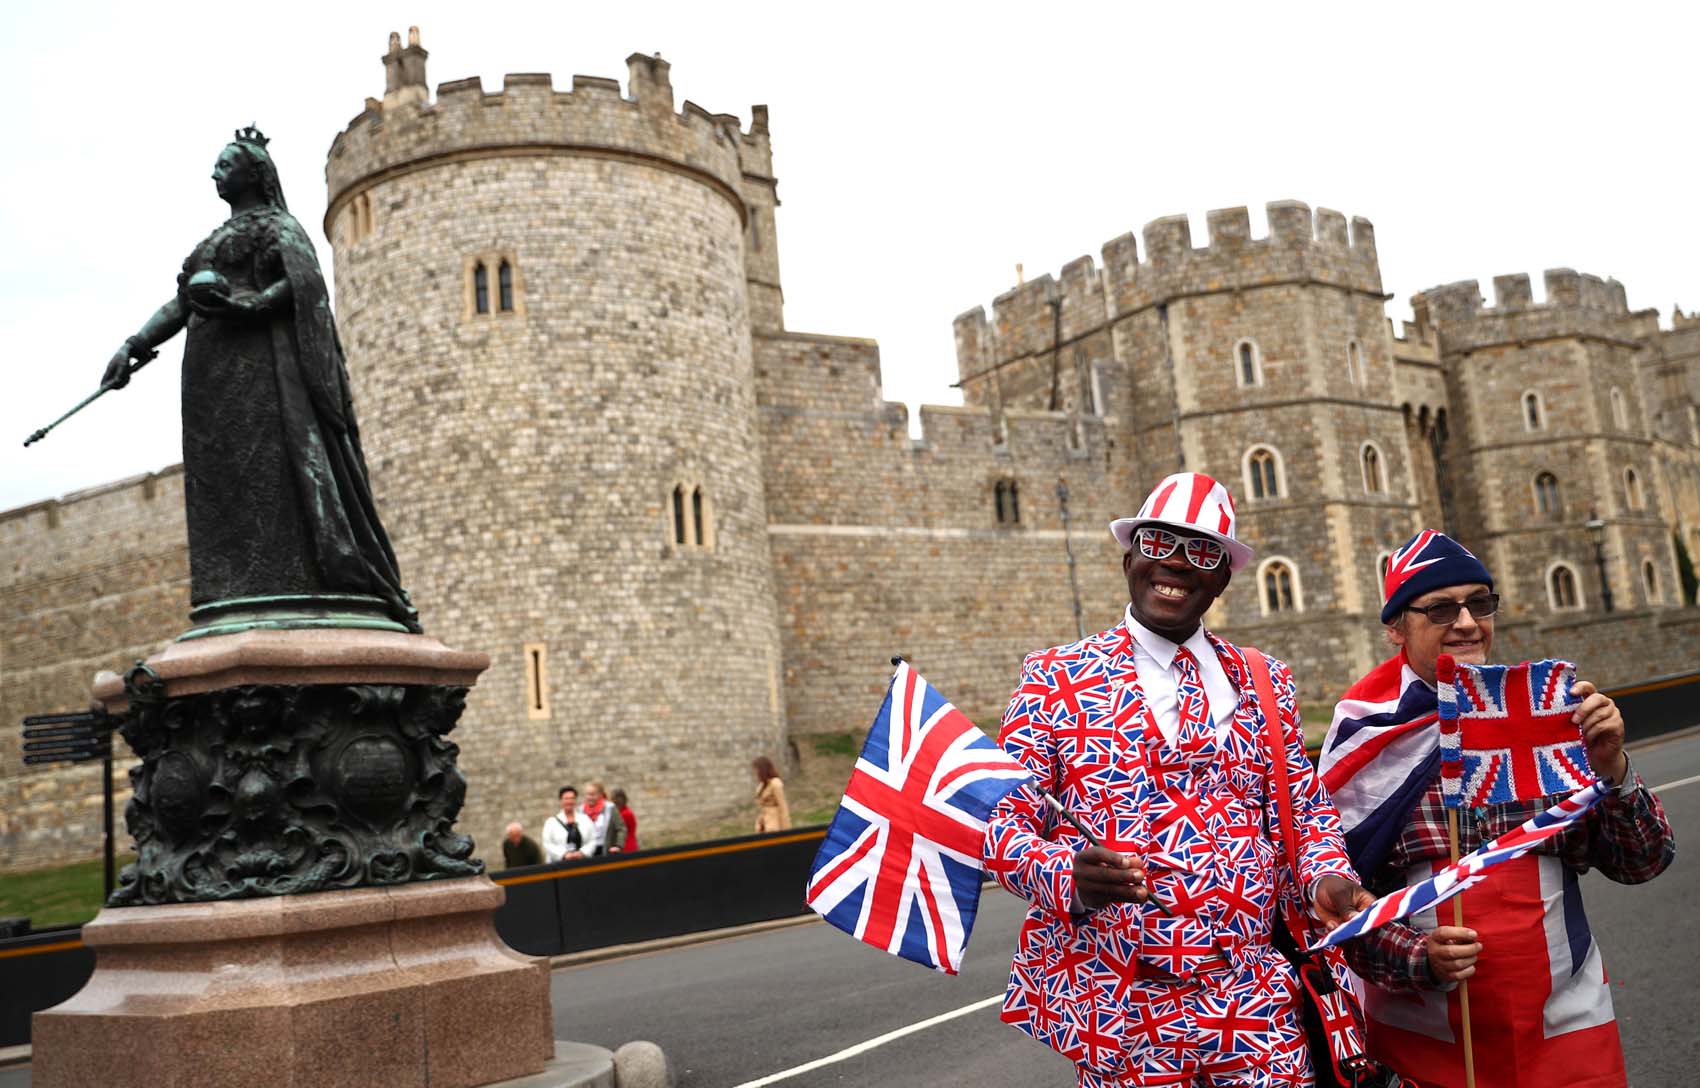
[{"x": 627, "y": 817}]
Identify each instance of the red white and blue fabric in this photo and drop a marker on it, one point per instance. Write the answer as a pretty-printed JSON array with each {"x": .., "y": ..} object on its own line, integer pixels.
[
  {"x": 1196, "y": 736},
  {"x": 900, "y": 866},
  {"x": 1380, "y": 754},
  {"x": 1416, "y": 555},
  {"x": 1506, "y": 733},
  {"x": 1099, "y": 987},
  {"x": 1468, "y": 870}
]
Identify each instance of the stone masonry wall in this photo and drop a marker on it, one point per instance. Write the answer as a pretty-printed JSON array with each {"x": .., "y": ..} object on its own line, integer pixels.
[
  {"x": 91, "y": 582},
  {"x": 526, "y": 462},
  {"x": 886, "y": 546}
]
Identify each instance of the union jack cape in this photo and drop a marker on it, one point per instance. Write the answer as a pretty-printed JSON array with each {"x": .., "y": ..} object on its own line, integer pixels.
[
  {"x": 900, "y": 867},
  {"x": 1380, "y": 754},
  {"x": 1455, "y": 878}
]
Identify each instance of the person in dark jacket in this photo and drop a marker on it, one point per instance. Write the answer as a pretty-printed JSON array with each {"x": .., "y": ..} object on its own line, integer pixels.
[{"x": 519, "y": 849}]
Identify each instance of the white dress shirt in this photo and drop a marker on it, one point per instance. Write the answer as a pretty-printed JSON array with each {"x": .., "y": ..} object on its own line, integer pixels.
[{"x": 1154, "y": 658}]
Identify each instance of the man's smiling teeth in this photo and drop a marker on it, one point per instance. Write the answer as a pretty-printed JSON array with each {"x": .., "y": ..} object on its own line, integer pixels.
[{"x": 1173, "y": 592}]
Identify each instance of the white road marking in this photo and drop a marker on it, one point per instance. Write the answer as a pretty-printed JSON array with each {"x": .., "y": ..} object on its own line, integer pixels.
[
  {"x": 1689, "y": 781},
  {"x": 860, "y": 1048}
]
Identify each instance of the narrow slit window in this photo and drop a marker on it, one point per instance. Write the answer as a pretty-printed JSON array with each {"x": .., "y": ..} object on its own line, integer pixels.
[
  {"x": 536, "y": 680},
  {"x": 480, "y": 288},
  {"x": 505, "y": 287},
  {"x": 696, "y": 516},
  {"x": 679, "y": 516}
]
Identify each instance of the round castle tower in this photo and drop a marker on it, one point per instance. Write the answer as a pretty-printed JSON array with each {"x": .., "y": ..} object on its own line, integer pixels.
[{"x": 546, "y": 302}]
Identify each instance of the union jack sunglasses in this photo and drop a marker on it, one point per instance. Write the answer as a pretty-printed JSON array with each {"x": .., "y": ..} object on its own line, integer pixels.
[{"x": 1201, "y": 552}]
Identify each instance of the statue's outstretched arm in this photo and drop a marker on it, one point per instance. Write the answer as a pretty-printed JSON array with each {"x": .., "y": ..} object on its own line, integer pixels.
[{"x": 165, "y": 323}]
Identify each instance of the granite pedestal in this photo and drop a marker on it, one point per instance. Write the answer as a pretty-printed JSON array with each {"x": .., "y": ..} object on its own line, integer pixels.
[{"x": 384, "y": 982}]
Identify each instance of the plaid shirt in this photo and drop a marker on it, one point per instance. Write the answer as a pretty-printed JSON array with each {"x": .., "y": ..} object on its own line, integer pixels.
[{"x": 1625, "y": 836}]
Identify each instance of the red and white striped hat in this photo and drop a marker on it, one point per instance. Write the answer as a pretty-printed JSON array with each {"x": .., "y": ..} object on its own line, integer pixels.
[{"x": 1191, "y": 501}]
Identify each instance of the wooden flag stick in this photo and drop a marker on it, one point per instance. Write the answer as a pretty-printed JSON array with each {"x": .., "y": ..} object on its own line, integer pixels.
[{"x": 1464, "y": 984}]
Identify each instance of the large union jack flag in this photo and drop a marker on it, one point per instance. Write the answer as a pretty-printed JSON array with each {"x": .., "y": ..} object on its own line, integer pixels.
[
  {"x": 1506, "y": 733},
  {"x": 1467, "y": 870},
  {"x": 900, "y": 867}
]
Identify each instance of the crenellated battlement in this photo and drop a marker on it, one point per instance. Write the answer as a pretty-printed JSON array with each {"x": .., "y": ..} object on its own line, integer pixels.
[
  {"x": 1301, "y": 247},
  {"x": 528, "y": 115},
  {"x": 1576, "y": 304}
]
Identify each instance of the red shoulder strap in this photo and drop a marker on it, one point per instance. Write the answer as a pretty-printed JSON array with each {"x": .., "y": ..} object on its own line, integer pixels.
[{"x": 1264, "y": 685}]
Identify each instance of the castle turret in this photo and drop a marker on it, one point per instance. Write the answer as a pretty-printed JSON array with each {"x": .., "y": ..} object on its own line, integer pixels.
[
  {"x": 404, "y": 71},
  {"x": 1265, "y": 362},
  {"x": 1552, "y": 417},
  {"x": 545, "y": 302}
]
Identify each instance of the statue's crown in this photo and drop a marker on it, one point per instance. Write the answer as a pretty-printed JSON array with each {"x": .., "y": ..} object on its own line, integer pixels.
[{"x": 252, "y": 135}]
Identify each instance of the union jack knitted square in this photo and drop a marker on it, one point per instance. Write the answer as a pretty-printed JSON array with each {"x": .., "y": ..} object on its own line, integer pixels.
[{"x": 1506, "y": 733}]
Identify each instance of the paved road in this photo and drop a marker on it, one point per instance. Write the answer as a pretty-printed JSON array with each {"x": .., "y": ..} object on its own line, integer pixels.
[
  {"x": 741, "y": 1009},
  {"x": 737, "y": 1010}
]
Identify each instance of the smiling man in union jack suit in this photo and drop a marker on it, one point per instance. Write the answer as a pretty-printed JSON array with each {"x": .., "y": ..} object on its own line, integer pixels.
[
  {"x": 1151, "y": 734},
  {"x": 1540, "y": 1007}
]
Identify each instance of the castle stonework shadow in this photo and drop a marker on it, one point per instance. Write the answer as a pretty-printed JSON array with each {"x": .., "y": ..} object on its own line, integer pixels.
[{"x": 684, "y": 532}]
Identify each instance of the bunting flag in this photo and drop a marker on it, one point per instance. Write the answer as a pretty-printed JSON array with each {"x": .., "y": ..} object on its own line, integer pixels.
[
  {"x": 1455, "y": 878},
  {"x": 900, "y": 867},
  {"x": 1506, "y": 733}
]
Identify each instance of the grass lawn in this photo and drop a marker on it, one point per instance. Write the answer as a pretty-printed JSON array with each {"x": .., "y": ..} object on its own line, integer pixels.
[{"x": 64, "y": 895}]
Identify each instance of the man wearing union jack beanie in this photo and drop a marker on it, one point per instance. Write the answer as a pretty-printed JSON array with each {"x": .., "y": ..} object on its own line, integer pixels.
[
  {"x": 1147, "y": 960},
  {"x": 1541, "y": 1010}
]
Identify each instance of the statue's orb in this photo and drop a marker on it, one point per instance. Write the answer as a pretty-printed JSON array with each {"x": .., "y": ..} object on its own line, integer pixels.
[{"x": 208, "y": 285}]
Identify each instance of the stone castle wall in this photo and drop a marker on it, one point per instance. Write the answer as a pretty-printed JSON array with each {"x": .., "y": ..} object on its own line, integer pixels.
[
  {"x": 884, "y": 545},
  {"x": 93, "y": 581}
]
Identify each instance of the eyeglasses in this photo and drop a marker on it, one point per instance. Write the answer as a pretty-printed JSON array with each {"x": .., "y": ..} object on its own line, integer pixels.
[
  {"x": 1201, "y": 552},
  {"x": 1445, "y": 613}
]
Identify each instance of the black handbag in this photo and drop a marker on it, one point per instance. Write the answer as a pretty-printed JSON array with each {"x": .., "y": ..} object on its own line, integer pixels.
[{"x": 1332, "y": 1020}]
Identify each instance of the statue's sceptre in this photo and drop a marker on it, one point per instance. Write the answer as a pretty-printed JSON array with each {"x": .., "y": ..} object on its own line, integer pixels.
[{"x": 140, "y": 359}]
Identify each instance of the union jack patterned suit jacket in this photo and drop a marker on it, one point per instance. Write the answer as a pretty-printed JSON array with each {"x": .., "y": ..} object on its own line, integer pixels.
[{"x": 1079, "y": 722}]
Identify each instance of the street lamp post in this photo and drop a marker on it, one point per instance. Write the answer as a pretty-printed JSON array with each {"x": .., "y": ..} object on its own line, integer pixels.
[
  {"x": 1068, "y": 546},
  {"x": 1597, "y": 533}
]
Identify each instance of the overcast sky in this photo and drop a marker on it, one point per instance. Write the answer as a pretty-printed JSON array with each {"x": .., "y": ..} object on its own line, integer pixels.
[{"x": 922, "y": 150}]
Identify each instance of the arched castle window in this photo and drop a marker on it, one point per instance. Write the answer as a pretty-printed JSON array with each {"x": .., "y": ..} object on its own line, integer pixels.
[
  {"x": 1619, "y": 411},
  {"x": 1632, "y": 496},
  {"x": 1382, "y": 562},
  {"x": 1650, "y": 580},
  {"x": 702, "y": 520},
  {"x": 1547, "y": 501},
  {"x": 1534, "y": 413},
  {"x": 1006, "y": 496},
  {"x": 1278, "y": 584},
  {"x": 1564, "y": 589},
  {"x": 1248, "y": 363},
  {"x": 1355, "y": 363},
  {"x": 693, "y": 517},
  {"x": 1375, "y": 481},
  {"x": 494, "y": 284},
  {"x": 1264, "y": 478}
]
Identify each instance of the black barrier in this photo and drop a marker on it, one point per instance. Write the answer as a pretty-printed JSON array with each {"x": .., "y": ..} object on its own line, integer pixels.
[
  {"x": 566, "y": 907},
  {"x": 38, "y": 972},
  {"x": 656, "y": 893}
]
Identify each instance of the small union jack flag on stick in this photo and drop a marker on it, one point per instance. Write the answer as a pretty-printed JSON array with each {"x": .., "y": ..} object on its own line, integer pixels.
[
  {"x": 1506, "y": 733},
  {"x": 1455, "y": 878},
  {"x": 900, "y": 867}
]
